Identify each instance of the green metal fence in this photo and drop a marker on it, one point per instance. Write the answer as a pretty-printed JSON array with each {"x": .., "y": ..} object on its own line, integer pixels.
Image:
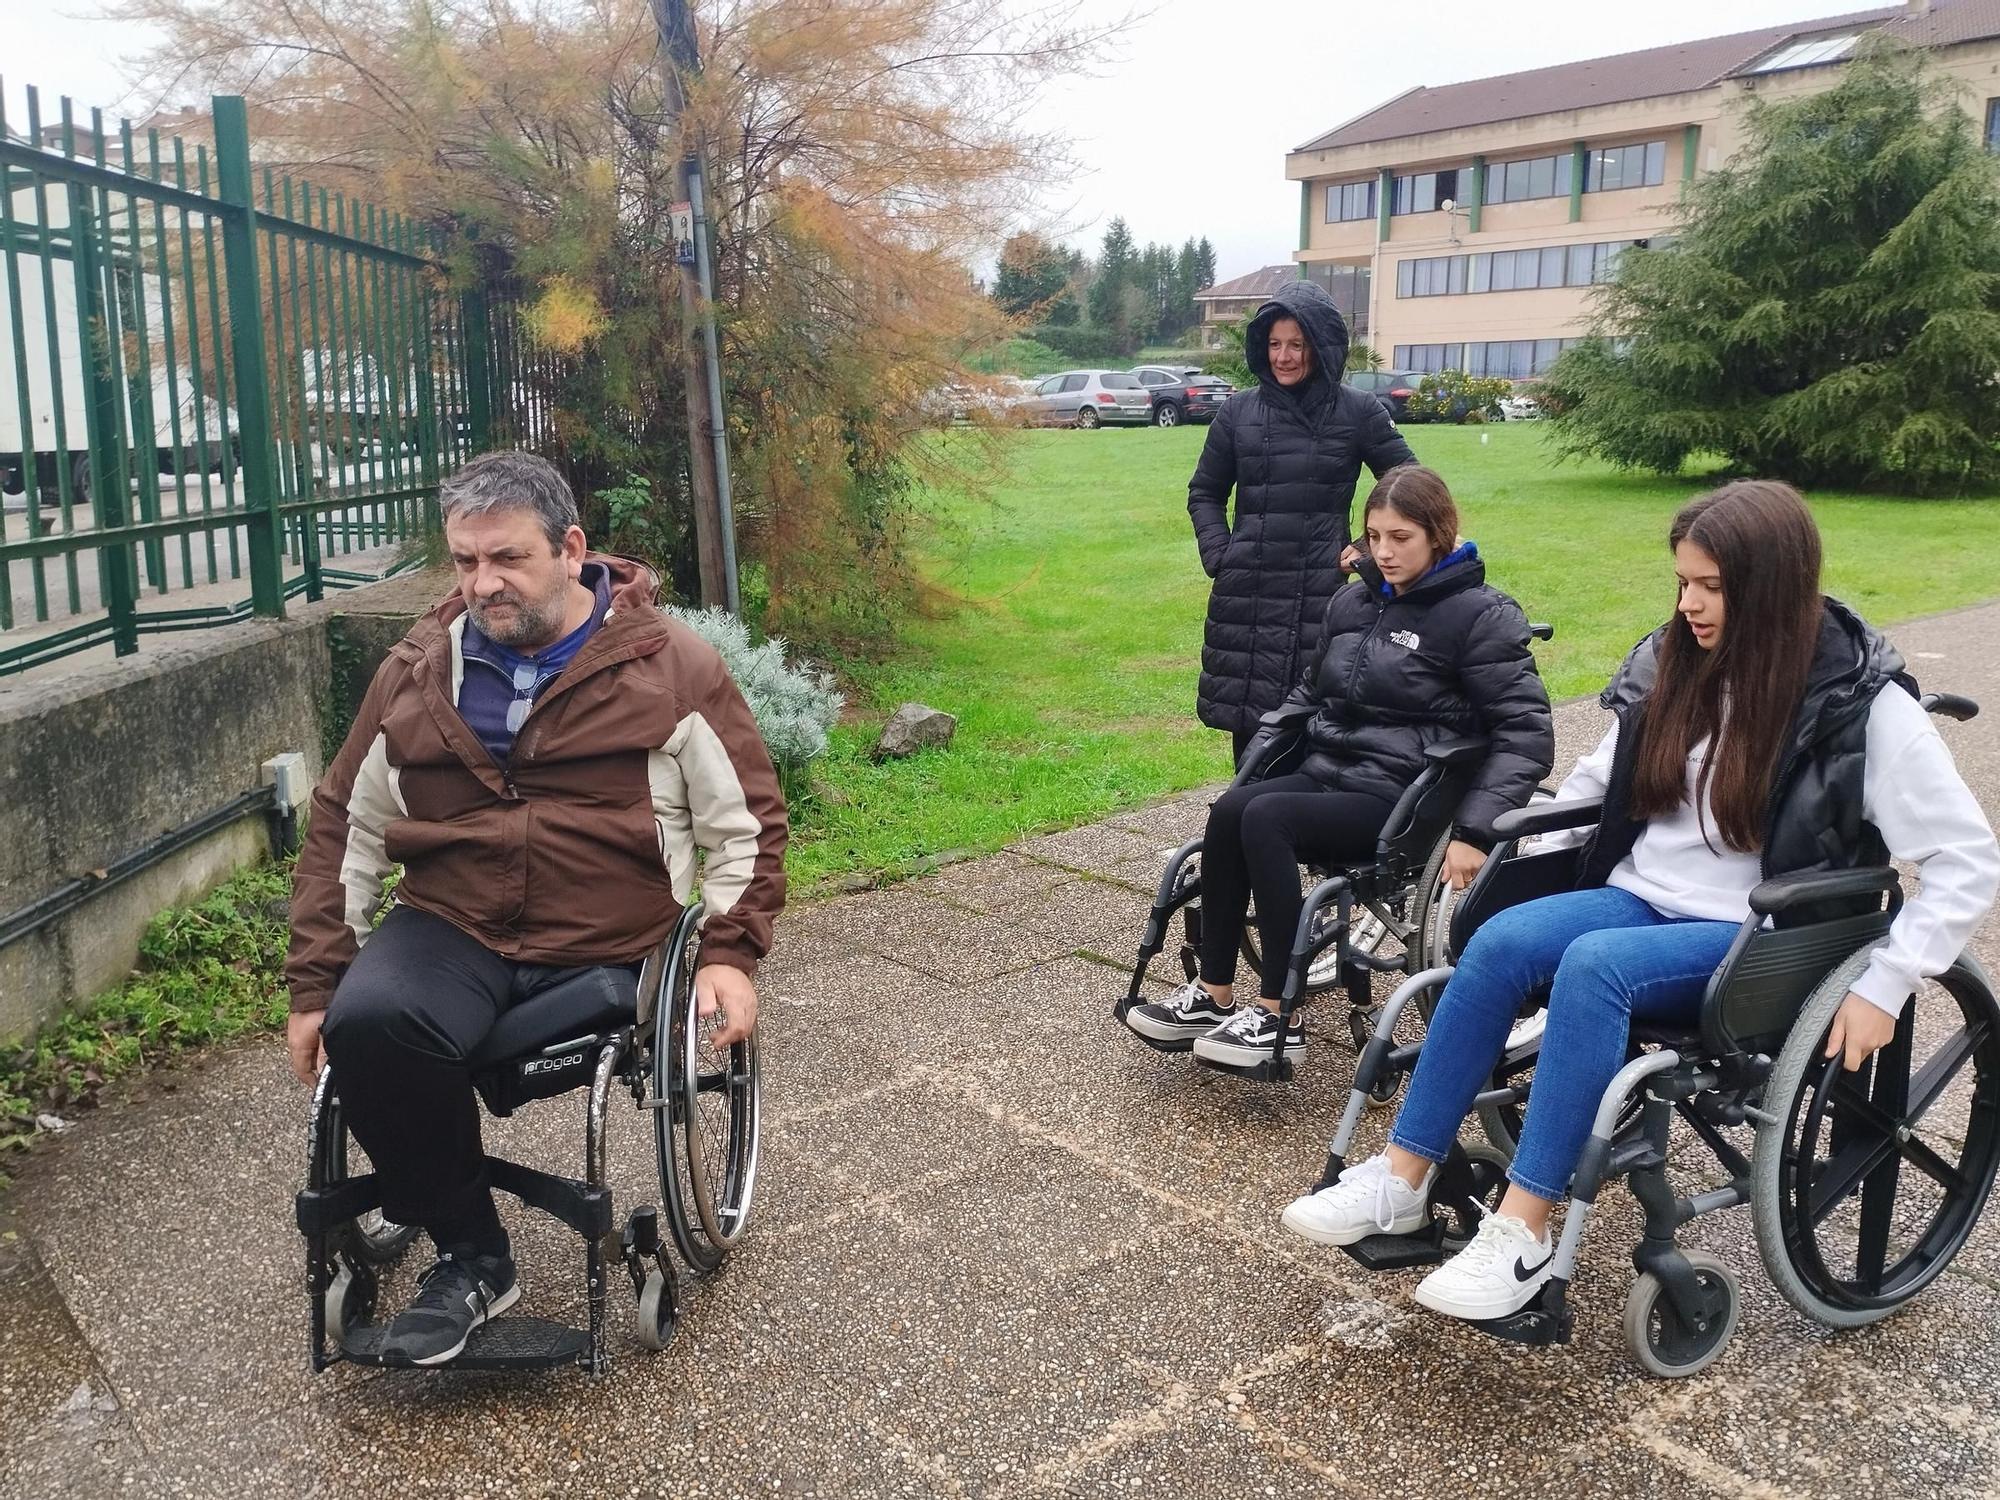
[{"x": 209, "y": 372}]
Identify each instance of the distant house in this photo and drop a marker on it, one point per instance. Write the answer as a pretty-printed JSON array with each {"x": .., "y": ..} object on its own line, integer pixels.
[
  {"x": 1227, "y": 301},
  {"x": 1467, "y": 222}
]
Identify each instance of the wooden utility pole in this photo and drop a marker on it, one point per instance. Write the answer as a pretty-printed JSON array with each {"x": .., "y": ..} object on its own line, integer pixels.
[{"x": 708, "y": 437}]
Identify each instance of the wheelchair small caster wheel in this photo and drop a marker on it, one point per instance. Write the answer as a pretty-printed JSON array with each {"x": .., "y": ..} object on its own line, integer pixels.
[
  {"x": 347, "y": 1301},
  {"x": 658, "y": 1311},
  {"x": 1386, "y": 1091},
  {"x": 1667, "y": 1344}
]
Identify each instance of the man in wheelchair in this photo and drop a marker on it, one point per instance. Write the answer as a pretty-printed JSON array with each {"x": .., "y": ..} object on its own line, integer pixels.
[
  {"x": 544, "y": 754},
  {"x": 1764, "y": 732}
]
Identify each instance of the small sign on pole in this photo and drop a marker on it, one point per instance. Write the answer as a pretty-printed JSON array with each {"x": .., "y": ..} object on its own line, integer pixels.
[{"x": 682, "y": 215}]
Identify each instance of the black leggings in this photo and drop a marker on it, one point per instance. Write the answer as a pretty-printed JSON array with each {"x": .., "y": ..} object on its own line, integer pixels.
[{"x": 1258, "y": 836}]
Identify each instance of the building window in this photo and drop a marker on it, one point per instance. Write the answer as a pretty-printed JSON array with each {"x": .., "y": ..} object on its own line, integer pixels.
[
  {"x": 1993, "y": 124},
  {"x": 1350, "y": 200},
  {"x": 1808, "y": 52},
  {"x": 1513, "y": 359},
  {"x": 1626, "y": 167},
  {"x": 1348, "y": 286},
  {"x": 1512, "y": 270},
  {"x": 1423, "y": 192},
  {"x": 1518, "y": 181}
]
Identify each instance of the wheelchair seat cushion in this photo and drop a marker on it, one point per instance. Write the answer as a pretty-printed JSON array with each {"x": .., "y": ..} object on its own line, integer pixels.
[{"x": 589, "y": 1000}]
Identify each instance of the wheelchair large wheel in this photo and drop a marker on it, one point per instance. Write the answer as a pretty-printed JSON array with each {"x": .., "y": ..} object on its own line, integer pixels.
[
  {"x": 707, "y": 1110},
  {"x": 1431, "y": 905},
  {"x": 1323, "y": 973},
  {"x": 1869, "y": 1182}
]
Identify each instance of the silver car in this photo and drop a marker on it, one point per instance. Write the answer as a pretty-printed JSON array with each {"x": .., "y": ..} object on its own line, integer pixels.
[{"x": 1089, "y": 398}]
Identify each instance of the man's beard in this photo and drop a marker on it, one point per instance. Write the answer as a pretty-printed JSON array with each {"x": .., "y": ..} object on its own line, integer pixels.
[{"x": 525, "y": 627}]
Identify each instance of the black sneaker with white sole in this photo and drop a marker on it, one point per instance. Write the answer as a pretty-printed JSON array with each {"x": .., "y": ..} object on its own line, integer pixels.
[
  {"x": 1173, "y": 1024},
  {"x": 1249, "y": 1037},
  {"x": 453, "y": 1297}
]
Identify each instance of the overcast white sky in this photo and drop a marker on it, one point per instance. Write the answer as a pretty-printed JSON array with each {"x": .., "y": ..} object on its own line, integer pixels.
[{"x": 1185, "y": 126}]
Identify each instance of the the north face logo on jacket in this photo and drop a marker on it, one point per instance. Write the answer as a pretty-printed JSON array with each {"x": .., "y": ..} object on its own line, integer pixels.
[{"x": 1407, "y": 639}]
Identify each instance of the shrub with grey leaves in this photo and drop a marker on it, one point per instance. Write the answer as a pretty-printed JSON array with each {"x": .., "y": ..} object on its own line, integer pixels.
[{"x": 794, "y": 704}]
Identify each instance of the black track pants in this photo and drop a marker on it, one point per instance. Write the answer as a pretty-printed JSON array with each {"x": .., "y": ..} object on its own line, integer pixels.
[
  {"x": 417, "y": 1000},
  {"x": 1258, "y": 836}
]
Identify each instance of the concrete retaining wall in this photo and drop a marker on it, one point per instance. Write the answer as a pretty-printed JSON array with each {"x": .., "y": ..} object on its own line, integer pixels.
[{"x": 97, "y": 759}]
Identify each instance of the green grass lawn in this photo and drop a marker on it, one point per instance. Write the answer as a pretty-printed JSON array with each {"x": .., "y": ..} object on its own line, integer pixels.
[{"x": 1069, "y": 639}]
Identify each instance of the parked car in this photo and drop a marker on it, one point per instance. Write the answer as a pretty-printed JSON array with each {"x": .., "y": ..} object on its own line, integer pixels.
[
  {"x": 1089, "y": 398},
  {"x": 1393, "y": 388},
  {"x": 1181, "y": 393},
  {"x": 1522, "y": 405}
]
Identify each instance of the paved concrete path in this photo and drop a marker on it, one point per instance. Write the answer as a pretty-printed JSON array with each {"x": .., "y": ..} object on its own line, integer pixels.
[{"x": 1001, "y": 1250}]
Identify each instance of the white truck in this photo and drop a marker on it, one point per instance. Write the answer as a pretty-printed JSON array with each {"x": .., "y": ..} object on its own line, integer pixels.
[{"x": 44, "y": 337}]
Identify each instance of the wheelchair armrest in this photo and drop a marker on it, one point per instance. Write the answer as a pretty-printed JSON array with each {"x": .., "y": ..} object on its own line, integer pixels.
[
  {"x": 1949, "y": 706},
  {"x": 1788, "y": 891},
  {"x": 1450, "y": 754},
  {"x": 1287, "y": 715},
  {"x": 1278, "y": 735},
  {"x": 1541, "y": 630},
  {"x": 1547, "y": 817}
]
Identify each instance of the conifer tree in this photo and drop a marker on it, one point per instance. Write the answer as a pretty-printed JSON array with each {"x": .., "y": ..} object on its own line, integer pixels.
[{"x": 1830, "y": 311}]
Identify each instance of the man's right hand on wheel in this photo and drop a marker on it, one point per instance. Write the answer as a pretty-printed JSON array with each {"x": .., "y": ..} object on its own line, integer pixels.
[{"x": 303, "y": 1044}]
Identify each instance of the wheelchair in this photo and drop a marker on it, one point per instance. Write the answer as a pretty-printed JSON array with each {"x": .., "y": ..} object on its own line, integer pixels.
[
  {"x": 1861, "y": 1186},
  {"x": 605, "y": 1028},
  {"x": 1389, "y": 915}
]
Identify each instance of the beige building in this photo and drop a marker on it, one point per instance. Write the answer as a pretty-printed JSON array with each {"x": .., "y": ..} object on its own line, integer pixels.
[
  {"x": 1228, "y": 301},
  {"x": 1464, "y": 226}
]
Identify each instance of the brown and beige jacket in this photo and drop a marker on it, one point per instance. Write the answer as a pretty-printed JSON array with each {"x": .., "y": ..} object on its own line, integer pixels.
[{"x": 582, "y": 848}]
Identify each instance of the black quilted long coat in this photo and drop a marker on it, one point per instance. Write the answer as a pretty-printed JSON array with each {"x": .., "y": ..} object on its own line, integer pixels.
[{"x": 1292, "y": 457}]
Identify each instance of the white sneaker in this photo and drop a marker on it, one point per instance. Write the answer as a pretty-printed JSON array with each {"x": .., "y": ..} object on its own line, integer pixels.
[
  {"x": 1366, "y": 1199},
  {"x": 1529, "y": 1030},
  {"x": 1497, "y": 1274}
]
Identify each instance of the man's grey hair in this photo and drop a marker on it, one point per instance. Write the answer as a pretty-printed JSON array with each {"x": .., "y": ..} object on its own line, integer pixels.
[{"x": 512, "y": 480}]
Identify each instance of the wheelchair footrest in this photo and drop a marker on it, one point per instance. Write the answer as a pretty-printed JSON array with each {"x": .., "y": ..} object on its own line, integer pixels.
[
  {"x": 1534, "y": 1324},
  {"x": 1267, "y": 1071},
  {"x": 504, "y": 1344},
  {"x": 1398, "y": 1252}
]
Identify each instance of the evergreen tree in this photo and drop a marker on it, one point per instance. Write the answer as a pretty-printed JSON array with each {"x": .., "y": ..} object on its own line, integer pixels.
[
  {"x": 1031, "y": 275},
  {"x": 1116, "y": 268},
  {"x": 1830, "y": 313},
  {"x": 1204, "y": 254}
]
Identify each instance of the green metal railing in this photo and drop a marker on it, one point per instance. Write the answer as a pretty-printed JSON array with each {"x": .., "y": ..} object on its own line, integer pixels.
[{"x": 209, "y": 371}]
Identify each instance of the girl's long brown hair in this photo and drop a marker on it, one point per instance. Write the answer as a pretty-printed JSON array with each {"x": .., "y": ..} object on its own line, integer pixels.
[{"x": 1767, "y": 549}]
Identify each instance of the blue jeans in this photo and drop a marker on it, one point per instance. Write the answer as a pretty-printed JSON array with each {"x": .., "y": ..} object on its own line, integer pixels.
[{"x": 1612, "y": 957}]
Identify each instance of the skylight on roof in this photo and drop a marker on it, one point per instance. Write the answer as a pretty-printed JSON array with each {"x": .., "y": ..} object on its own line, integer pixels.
[{"x": 1807, "y": 52}]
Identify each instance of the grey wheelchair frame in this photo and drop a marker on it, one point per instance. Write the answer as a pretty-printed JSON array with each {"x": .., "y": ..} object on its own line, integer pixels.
[
  {"x": 601, "y": 1027},
  {"x": 1752, "y": 1060}
]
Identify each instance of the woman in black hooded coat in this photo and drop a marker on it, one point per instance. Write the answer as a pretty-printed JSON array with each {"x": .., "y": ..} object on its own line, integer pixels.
[{"x": 1292, "y": 450}]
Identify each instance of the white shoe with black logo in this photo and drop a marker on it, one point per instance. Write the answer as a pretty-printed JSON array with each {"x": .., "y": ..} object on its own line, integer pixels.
[{"x": 1496, "y": 1275}]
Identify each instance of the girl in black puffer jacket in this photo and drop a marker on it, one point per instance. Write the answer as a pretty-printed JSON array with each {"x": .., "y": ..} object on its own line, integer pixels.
[
  {"x": 1431, "y": 654},
  {"x": 1291, "y": 449}
]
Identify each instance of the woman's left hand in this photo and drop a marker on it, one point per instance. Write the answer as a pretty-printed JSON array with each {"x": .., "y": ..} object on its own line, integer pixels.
[
  {"x": 1860, "y": 1029},
  {"x": 1461, "y": 863}
]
